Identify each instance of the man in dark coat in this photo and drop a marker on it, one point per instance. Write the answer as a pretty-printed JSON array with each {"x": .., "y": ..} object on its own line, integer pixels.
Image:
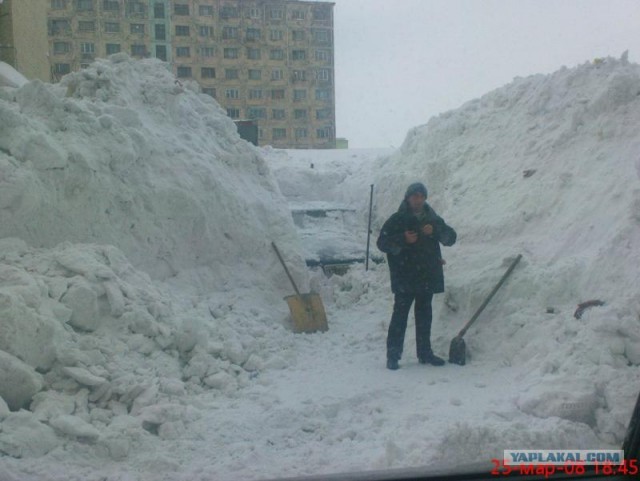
[{"x": 411, "y": 239}]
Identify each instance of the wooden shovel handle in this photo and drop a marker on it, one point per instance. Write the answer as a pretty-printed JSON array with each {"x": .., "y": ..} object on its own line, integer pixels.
[
  {"x": 275, "y": 248},
  {"x": 486, "y": 301}
]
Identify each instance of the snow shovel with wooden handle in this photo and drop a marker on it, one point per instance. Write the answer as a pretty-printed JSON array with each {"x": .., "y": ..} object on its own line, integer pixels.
[
  {"x": 458, "y": 349},
  {"x": 307, "y": 311}
]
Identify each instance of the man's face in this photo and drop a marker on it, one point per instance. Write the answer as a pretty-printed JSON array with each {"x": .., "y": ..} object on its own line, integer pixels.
[{"x": 416, "y": 201}]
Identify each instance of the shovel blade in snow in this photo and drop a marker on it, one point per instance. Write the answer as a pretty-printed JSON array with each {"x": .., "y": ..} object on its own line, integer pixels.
[
  {"x": 458, "y": 351},
  {"x": 307, "y": 313}
]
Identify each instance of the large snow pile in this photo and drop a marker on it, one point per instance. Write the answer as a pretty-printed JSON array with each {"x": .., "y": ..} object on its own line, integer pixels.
[
  {"x": 122, "y": 153},
  {"x": 118, "y": 173},
  {"x": 547, "y": 166},
  {"x": 128, "y": 376}
]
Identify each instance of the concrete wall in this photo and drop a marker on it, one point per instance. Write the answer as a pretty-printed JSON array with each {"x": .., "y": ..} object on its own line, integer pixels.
[{"x": 23, "y": 36}]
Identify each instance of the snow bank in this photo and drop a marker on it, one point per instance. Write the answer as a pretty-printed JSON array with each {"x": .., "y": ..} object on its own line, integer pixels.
[
  {"x": 121, "y": 153},
  {"x": 134, "y": 224},
  {"x": 546, "y": 166},
  {"x": 192, "y": 375}
]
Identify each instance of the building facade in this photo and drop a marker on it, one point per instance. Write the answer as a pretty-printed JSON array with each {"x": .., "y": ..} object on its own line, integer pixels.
[
  {"x": 270, "y": 61},
  {"x": 23, "y": 37}
]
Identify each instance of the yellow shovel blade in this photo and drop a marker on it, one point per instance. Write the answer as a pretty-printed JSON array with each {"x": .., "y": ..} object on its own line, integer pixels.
[{"x": 307, "y": 313}]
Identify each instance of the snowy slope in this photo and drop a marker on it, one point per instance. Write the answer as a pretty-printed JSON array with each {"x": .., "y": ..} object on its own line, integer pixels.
[
  {"x": 124, "y": 154},
  {"x": 187, "y": 378},
  {"x": 547, "y": 166}
]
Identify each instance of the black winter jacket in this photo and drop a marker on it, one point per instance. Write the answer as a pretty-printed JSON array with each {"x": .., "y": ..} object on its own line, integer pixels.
[{"x": 415, "y": 267}]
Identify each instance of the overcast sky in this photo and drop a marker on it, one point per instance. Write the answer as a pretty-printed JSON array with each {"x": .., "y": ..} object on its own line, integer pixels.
[{"x": 400, "y": 62}]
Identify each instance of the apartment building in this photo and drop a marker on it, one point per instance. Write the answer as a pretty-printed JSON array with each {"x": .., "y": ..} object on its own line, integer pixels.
[
  {"x": 271, "y": 61},
  {"x": 23, "y": 37}
]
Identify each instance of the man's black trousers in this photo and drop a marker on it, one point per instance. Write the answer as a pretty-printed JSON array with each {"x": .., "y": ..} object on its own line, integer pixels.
[{"x": 398, "y": 326}]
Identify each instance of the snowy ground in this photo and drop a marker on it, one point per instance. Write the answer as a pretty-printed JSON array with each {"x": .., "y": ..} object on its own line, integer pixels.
[{"x": 161, "y": 351}]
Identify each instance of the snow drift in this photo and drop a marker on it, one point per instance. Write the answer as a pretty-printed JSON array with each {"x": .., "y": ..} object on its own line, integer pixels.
[
  {"x": 133, "y": 375},
  {"x": 122, "y": 153},
  {"x": 547, "y": 166},
  {"x": 118, "y": 175}
]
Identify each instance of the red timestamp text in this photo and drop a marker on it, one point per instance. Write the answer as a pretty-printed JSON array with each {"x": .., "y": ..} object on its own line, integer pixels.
[{"x": 628, "y": 467}]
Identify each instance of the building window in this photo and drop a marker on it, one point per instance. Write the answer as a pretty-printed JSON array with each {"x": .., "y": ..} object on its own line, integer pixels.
[
  {"x": 137, "y": 28},
  {"x": 323, "y": 114},
  {"x": 322, "y": 74},
  {"x": 58, "y": 4},
  {"x": 208, "y": 72},
  {"x": 276, "y": 14},
  {"x": 229, "y": 33},
  {"x": 84, "y": 5},
  {"x": 230, "y": 53},
  {"x": 253, "y": 53},
  {"x": 255, "y": 74},
  {"x": 255, "y": 94},
  {"x": 299, "y": 95},
  {"x": 135, "y": 8},
  {"x": 321, "y": 14},
  {"x": 60, "y": 48},
  {"x": 257, "y": 113},
  {"x": 58, "y": 27},
  {"x": 300, "y": 114},
  {"x": 299, "y": 75},
  {"x": 276, "y": 74},
  {"x": 301, "y": 133},
  {"x": 182, "y": 30},
  {"x": 277, "y": 94},
  {"x": 207, "y": 51},
  {"x": 158, "y": 10},
  {"x": 276, "y": 35},
  {"x": 87, "y": 48},
  {"x": 112, "y": 48},
  {"x": 205, "y": 31},
  {"x": 183, "y": 51},
  {"x": 298, "y": 15},
  {"x": 181, "y": 9},
  {"x": 297, "y": 35},
  {"x": 278, "y": 114},
  {"x": 110, "y": 5},
  {"x": 62, "y": 68},
  {"x": 138, "y": 50},
  {"x": 321, "y": 36},
  {"x": 323, "y": 55},
  {"x": 112, "y": 27},
  {"x": 323, "y": 94},
  {"x": 233, "y": 113},
  {"x": 161, "y": 31},
  {"x": 231, "y": 73},
  {"x": 279, "y": 133},
  {"x": 205, "y": 10},
  {"x": 232, "y": 94},
  {"x": 87, "y": 26},
  {"x": 209, "y": 91},
  {"x": 324, "y": 133},
  {"x": 299, "y": 55},
  {"x": 161, "y": 52},
  {"x": 184, "y": 72},
  {"x": 254, "y": 12},
  {"x": 276, "y": 54},
  {"x": 253, "y": 34},
  {"x": 229, "y": 12}
]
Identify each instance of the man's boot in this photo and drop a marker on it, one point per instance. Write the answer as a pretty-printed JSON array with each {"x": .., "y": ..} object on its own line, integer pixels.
[{"x": 432, "y": 359}]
